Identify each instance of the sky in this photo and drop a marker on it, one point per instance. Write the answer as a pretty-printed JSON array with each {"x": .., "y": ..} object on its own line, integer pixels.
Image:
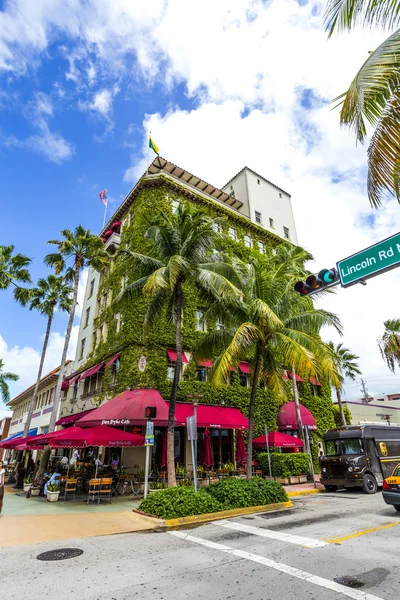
[{"x": 220, "y": 85}]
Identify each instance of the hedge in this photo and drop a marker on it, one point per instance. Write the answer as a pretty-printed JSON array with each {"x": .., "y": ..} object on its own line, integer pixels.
[
  {"x": 285, "y": 465},
  {"x": 224, "y": 495}
]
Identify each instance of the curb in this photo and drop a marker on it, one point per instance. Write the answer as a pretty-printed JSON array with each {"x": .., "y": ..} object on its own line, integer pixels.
[
  {"x": 305, "y": 493},
  {"x": 225, "y": 514}
]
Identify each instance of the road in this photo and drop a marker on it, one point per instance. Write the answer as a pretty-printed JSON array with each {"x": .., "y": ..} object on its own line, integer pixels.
[{"x": 292, "y": 555}]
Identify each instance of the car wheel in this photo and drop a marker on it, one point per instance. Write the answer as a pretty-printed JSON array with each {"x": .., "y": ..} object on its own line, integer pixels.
[
  {"x": 397, "y": 507},
  {"x": 369, "y": 484},
  {"x": 330, "y": 488}
]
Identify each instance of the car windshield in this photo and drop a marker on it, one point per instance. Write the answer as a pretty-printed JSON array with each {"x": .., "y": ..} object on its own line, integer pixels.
[
  {"x": 396, "y": 472},
  {"x": 346, "y": 447}
]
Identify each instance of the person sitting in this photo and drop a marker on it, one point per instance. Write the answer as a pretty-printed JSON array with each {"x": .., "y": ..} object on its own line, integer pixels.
[{"x": 114, "y": 463}]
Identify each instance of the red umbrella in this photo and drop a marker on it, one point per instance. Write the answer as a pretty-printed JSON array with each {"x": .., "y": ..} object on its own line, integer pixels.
[
  {"x": 96, "y": 436},
  {"x": 241, "y": 456},
  {"x": 208, "y": 457},
  {"x": 278, "y": 440},
  {"x": 164, "y": 453}
]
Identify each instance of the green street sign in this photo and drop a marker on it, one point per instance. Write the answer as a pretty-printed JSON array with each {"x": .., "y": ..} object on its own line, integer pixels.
[{"x": 372, "y": 261}]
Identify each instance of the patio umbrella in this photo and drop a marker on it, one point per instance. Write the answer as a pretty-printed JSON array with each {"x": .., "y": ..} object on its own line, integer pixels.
[
  {"x": 208, "y": 458},
  {"x": 96, "y": 436},
  {"x": 241, "y": 456},
  {"x": 164, "y": 454},
  {"x": 278, "y": 440}
]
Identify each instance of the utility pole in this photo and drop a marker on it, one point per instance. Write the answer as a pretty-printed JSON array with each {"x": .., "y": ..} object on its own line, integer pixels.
[{"x": 364, "y": 391}]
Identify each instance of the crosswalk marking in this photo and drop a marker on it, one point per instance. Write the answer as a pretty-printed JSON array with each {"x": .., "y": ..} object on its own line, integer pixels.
[
  {"x": 292, "y": 571},
  {"x": 273, "y": 535}
]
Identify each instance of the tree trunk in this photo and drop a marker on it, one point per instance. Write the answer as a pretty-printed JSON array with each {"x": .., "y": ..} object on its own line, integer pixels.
[
  {"x": 254, "y": 386},
  {"x": 174, "y": 391},
  {"x": 339, "y": 399},
  {"x": 39, "y": 375},
  {"x": 297, "y": 405},
  {"x": 57, "y": 396}
]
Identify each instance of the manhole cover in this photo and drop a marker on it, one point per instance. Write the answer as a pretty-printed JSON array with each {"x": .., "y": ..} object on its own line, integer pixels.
[
  {"x": 61, "y": 554},
  {"x": 349, "y": 581}
]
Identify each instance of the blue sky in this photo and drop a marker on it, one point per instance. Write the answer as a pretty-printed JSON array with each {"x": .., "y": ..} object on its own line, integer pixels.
[{"x": 220, "y": 86}]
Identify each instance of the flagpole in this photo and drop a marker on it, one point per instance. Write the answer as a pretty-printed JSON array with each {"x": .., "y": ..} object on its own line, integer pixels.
[
  {"x": 105, "y": 212},
  {"x": 148, "y": 153}
]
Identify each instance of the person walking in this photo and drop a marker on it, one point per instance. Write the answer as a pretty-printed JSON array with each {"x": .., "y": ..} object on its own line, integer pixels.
[{"x": 2, "y": 476}]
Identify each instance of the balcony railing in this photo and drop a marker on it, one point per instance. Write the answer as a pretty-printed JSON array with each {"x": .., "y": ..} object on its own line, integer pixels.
[
  {"x": 113, "y": 243},
  {"x": 90, "y": 393}
]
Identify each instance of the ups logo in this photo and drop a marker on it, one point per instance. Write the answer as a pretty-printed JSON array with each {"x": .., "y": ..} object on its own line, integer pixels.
[{"x": 383, "y": 448}]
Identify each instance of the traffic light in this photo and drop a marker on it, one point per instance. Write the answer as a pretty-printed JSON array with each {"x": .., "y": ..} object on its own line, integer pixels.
[
  {"x": 150, "y": 412},
  {"x": 315, "y": 283}
]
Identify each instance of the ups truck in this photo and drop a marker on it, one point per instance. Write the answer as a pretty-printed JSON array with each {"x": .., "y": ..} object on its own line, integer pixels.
[{"x": 359, "y": 456}]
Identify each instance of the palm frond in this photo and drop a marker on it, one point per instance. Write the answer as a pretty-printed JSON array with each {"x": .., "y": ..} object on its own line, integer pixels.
[{"x": 343, "y": 15}]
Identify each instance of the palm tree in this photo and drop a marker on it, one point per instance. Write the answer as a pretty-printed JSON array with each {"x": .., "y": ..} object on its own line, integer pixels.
[
  {"x": 374, "y": 94},
  {"x": 49, "y": 294},
  {"x": 347, "y": 368},
  {"x": 4, "y": 377},
  {"x": 389, "y": 343},
  {"x": 82, "y": 249},
  {"x": 272, "y": 327},
  {"x": 13, "y": 268},
  {"x": 181, "y": 246}
]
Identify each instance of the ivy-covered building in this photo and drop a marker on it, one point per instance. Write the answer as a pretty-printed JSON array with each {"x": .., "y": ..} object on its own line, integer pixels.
[{"x": 113, "y": 352}]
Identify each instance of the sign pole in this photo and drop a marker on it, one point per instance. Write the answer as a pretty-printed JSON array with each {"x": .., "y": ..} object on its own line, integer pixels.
[
  {"x": 146, "y": 473},
  {"x": 269, "y": 456},
  {"x": 308, "y": 448},
  {"x": 149, "y": 442}
]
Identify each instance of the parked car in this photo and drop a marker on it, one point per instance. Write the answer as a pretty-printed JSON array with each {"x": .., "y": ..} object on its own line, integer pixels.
[{"x": 391, "y": 489}]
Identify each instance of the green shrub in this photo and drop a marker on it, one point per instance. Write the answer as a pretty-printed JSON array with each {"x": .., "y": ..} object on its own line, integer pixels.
[
  {"x": 179, "y": 502},
  {"x": 239, "y": 493},
  {"x": 285, "y": 465}
]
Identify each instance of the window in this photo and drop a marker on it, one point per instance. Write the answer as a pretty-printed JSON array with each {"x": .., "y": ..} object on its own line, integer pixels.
[
  {"x": 201, "y": 374},
  {"x": 91, "y": 290},
  {"x": 220, "y": 324},
  {"x": 94, "y": 340},
  {"x": 216, "y": 226},
  {"x": 247, "y": 241},
  {"x": 76, "y": 388},
  {"x": 232, "y": 194},
  {"x": 87, "y": 317},
  {"x": 130, "y": 218},
  {"x": 271, "y": 222},
  {"x": 243, "y": 379},
  {"x": 258, "y": 181},
  {"x": 83, "y": 344},
  {"x": 258, "y": 217},
  {"x": 231, "y": 187},
  {"x": 232, "y": 233},
  {"x": 124, "y": 281},
  {"x": 170, "y": 371},
  {"x": 261, "y": 247},
  {"x": 286, "y": 233},
  {"x": 280, "y": 195},
  {"x": 349, "y": 446},
  {"x": 175, "y": 206},
  {"x": 200, "y": 324}
]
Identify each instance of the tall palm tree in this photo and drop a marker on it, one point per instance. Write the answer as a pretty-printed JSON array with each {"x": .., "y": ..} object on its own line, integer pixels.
[
  {"x": 49, "y": 294},
  {"x": 272, "y": 327},
  {"x": 374, "y": 94},
  {"x": 389, "y": 343},
  {"x": 4, "y": 378},
  {"x": 13, "y": 268},
  {"x": 80, "y": 248},
  {"x": 347, "y": 367},
  {"x": 181, "y": 253}
]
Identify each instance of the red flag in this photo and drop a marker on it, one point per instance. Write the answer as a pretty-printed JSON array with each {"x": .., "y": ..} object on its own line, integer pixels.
[{"x": 103, "y": 196}]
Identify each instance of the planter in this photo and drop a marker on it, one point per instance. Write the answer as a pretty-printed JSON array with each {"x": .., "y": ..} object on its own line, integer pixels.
[
  {"x": 27, "y": 487},
  {"x": 282, "y": 480},
  {"x": 151, "y": 491},
  {"x": 35, "y": 491},
  {"x": 293, "y": 479},
  {"x": 52, "y": 496},
  {"x": 302, "y": 478}
]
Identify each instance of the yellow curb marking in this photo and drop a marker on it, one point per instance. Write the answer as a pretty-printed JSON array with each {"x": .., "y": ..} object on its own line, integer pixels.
[
  {"x": 338, "y": 540},
  {"x": 305, "y": 493}
]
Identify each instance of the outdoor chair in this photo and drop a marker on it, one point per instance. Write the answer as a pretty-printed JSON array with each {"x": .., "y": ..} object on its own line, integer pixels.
[
  {"x": 136, "y": 487},
  {"x": 94, "y": 488},
  {"x": 105, "y": 488},
  {"x": 70, "y": 488}
]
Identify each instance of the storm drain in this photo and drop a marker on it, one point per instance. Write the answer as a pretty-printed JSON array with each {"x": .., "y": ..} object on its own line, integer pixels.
[
  {"x": 348, "y": 581},
  {"x": 61, "y": 554}
]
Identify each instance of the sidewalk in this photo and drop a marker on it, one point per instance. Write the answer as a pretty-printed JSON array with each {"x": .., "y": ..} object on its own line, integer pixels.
[{"x": 304, "y": 489}]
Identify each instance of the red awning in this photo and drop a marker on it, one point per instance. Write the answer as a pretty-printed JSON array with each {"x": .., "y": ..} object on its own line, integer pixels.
[
  {"x": 77, "y": 437},
  {"x": 205, "y": 363},
  {"x": 278, "y": 440},
  {"x": 215, "y": 417},
  {"x": 108, "y": 233},
  {"x": 244, "y": 367},
  {"x": 92, "y": 371},
  {"x": 116, "y": 224},
  {"x": 73, "y": 418},
  {"x": 314, "y": 381},
  {"x": 173, "y": 355},
  {"x": 128, "y": 409},
  {"x": 232, "y": 369},
  {"x": 287, "y": 417},
  {"x": 113, "y": 359},
  {"x": 68, "y": 382},
  {"x": 298, "y": 378}
]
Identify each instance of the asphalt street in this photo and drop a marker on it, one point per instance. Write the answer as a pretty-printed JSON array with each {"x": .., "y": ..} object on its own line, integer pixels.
[{"x": 299, "y": 554}]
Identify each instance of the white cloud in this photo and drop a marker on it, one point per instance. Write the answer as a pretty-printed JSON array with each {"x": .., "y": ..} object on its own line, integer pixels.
[{"x": 50, "y": 144}]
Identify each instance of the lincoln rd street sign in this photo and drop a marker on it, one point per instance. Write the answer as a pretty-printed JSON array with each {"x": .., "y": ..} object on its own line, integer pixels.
[{"x": 370, "y": 262}]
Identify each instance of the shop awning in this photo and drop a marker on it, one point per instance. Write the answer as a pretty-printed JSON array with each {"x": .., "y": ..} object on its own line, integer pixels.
[
  {"x": 215, "y": 417},
  {"x": 205, "y": 363},
  {"x": 244, "y": 367},
  {"x": 298, "y": 378},
  {"x": 109, "y": 437},
  {"x": 73, "y": 418},
  {"x": 173, "y": 355},
  {"x": 128, "y": 409},
  {"x": 287, "y": 417},
  {"x": 69, "y": 381},
  {"x": 314, "y": 381},
  {"x": 113, "y": 359},
  {"x": 278, "y": 440},
  {"x": 92, "y": 371},
  {"x": 16, "y": 438}
]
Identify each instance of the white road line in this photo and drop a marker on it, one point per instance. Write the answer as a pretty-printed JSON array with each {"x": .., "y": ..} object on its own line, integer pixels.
[
  {"x": 292, "y": 571},
  {"x": 273, "y": 535}
]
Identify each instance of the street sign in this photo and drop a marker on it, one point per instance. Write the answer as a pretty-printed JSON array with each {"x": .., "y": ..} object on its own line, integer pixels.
[
  {"x": 150, "y": 428},
  {"x": 372, "y": 261},
  {"x": 191, "y": 428},
  {"x": 149, "y": 440}
]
